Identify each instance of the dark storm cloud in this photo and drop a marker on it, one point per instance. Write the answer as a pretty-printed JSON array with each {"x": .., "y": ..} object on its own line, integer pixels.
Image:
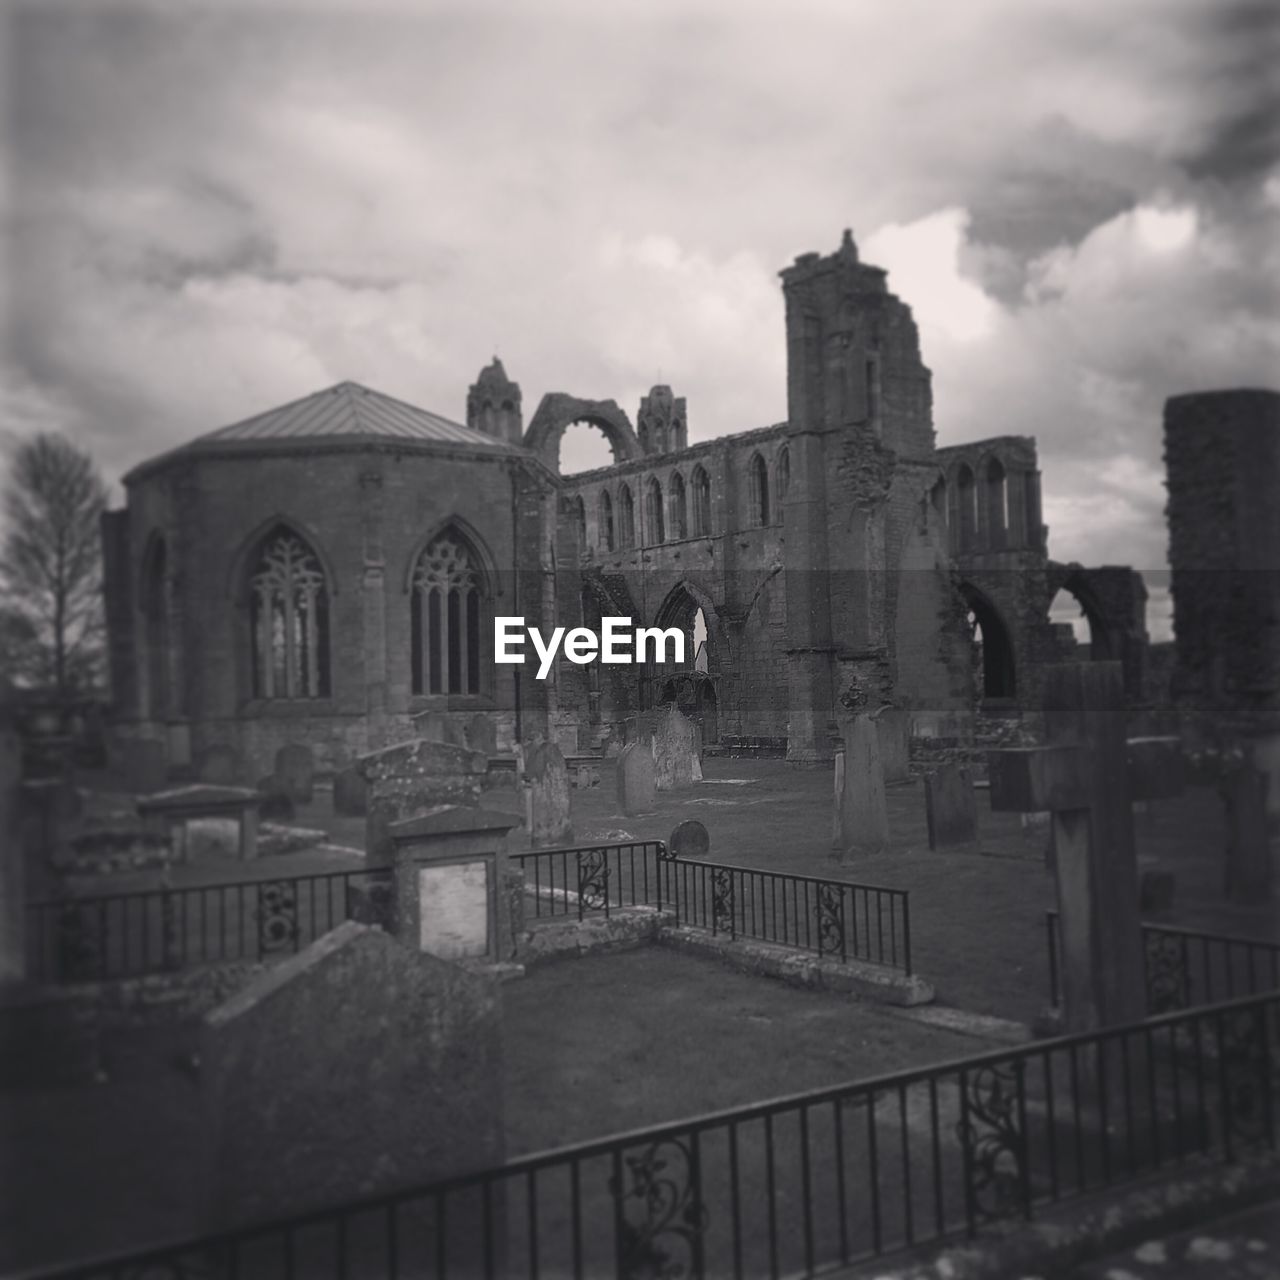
[{"x": 1240, "y": 81}]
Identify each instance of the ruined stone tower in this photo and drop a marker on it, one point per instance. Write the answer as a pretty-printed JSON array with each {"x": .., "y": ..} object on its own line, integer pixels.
[
  {"x": 662, "y": 423},
  {"x": 493, "y": 404}
]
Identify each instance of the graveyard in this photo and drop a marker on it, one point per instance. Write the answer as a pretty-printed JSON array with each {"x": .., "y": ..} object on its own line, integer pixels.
[{"x": 631, "y": 1021}]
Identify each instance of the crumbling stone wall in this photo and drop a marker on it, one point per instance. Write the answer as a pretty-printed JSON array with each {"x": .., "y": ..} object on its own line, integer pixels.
[{"x": 1222, "y": 454}]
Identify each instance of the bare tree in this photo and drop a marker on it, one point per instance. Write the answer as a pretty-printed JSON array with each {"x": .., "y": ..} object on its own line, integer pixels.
[{"x": 51, "y": 618}]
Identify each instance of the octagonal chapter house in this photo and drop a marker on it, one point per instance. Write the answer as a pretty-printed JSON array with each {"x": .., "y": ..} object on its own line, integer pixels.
[{"x": 318, "y": 574}]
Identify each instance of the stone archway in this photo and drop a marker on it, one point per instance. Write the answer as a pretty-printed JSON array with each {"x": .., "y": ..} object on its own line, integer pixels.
[
  {"x": 557, "y": 411},
  {"x": 999, "y": 667},
  {"x": 1074, "y": 580}
]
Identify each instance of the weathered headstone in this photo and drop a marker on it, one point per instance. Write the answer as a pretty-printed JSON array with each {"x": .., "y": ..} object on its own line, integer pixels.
[
  {"x": 862, "y": 813},
  {"x": 12, "y": 852},
  {"x": 296, "y": 769},
  {"x": 548, "y": 777},
  {"x": 895, "y": 757},
  {"x": 675, "y": 750},
  {"x": 636, "y": 790},
  {"x": 350, "y": 793},
  {"x": 951, "y": 808},
  {"x": 357, "y": 1066},
  {"x": 218, "y": 765},
  {"x": 407, "y": 779},
  {"x": 1083, "y": 777},
  {"x": 690, "y": 839}
]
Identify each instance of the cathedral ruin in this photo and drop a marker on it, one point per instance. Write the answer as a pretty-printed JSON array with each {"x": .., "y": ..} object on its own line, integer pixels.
[{"x": 327, "y": 570}]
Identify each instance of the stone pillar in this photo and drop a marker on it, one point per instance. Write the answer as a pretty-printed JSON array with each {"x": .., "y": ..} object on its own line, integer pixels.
[
  {"x": 809, "y": 653},
  {"x": 1082, "y": 778},
  {"x": 13, "y": 904},
  {"x": 450, "y": 877}
]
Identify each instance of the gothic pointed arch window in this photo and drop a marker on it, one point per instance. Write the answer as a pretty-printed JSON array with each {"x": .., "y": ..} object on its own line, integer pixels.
[
  {"x": 784, "y": 472},
  {"x": 448, "y": 615},
  {"x": 580, "y": 521},
  {"x": 289, "y": 618},
  {"x": 604, "y": 518},
  {"x": 758, "y": 490},
  {"x": 701, "y": 503},
  {"x": 626, "y": 518},
  {"x": 655, "y": 524},
  {"x": 679, "y": 509}
]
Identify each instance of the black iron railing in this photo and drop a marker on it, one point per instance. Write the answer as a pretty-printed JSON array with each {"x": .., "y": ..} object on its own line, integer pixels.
[
  {"x": 128, "y": 934},
  {"x": 834, "y": 918},
  {"x": 123, "y": 935},
  {"x": 587, "y": 879},
  {"x": 799, "y": 1185},
  {"x": 1188, "y": 967}
]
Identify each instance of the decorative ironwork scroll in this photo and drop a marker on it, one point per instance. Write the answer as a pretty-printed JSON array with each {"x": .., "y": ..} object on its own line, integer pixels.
[
  {"x": 593, "y": 879},
  {"x": 993, "y": 1142},
  {"x": 1167, "y": 973},
  {"x": 1247, "y": 1071},
  {"x": 277, "y": 917},
  {"x": 830, "y": 913},
  {"x": 722, "y": 912},
  {"x": 79, "y": 950},
  {"x": 370, "y": 902},
  {"x": 661, "y": 1219}
]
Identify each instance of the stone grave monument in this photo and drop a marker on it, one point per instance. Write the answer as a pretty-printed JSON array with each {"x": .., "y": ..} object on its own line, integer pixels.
[
  {"x": 636, "y": 790},
  {"x": 862, "y": 817},
  {"x": 357, "y": 1066},
  {"x": 296, "y": 769},
  {"x": 406, "y": 779},
  {"x": 450, "y": 883},
  {"x": 951, "y": 808},
  {"x": 548, "y": 779},
  {"x": 675, "y": 750}
]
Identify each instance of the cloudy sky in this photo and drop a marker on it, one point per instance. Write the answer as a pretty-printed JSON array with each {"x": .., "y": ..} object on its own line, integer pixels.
[{"x": 212, "y": 209}]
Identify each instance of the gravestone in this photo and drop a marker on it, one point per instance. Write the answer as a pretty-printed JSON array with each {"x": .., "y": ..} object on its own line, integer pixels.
[
  {"x": 636, "y": 790},
  {"x": 12, "y": 851},
  {"x": 690, "y": 839},
  {"x": 548, "y": 778},
  {"x": 675, "y": 750},
  {"x": 350, "y": 793},
  {"x": 1087, "y": 777},
  {"x": 951, "y": 808},
  {"x": 895, "y": 756},
  {"x": 861, "y": 812},
  {"x": 450, "y": 884},
  {"x": 357, "y": 1066},
  {"x": 144, "y": 764},
  {"x": 296, "y": 769},
  {"x": 218, "y": 765},
  {"x": 1157, "y": 889},
  {"x": 407, "y": 779},
  {"x": 482, "y": 734}
]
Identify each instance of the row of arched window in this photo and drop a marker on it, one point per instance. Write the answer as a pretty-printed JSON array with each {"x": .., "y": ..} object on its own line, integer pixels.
[
  {"x": 978, "y": 508},
  {"x": 288, "y": 618},
  {"x": 683, "y": 510}
]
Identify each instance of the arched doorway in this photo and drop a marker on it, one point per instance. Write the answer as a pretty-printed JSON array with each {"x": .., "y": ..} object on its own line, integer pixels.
[
  {"x": 693, "y": 687},
  {"x": 995, "y": 669},
  {"x": 1075, "y": 605}
]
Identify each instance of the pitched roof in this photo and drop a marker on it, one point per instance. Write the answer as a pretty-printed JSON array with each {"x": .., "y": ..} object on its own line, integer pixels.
[{"x": 349, "y": 409}]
